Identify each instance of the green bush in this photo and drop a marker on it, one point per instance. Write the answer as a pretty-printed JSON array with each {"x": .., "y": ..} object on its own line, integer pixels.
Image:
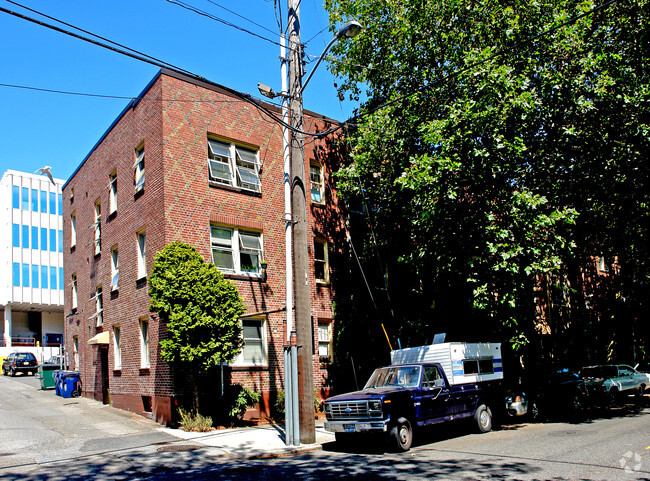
[
  {"x": 279, "y": 402},
  {"x": 241, "y": 398},
  {"x": 195, "y": 422}
]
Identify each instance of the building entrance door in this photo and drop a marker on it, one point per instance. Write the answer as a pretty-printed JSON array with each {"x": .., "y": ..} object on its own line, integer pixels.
[{"x": 103, "y": 354}]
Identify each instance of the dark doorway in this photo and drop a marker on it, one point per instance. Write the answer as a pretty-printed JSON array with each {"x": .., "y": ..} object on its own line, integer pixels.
[{"x": 103, "y": 355}]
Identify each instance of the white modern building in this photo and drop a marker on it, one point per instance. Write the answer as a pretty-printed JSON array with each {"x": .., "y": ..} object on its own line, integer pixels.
[{"x": 31, "y": 262}]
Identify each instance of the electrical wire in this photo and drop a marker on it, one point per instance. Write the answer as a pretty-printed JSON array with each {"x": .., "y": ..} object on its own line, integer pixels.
[{"x": 242, "y": 17}]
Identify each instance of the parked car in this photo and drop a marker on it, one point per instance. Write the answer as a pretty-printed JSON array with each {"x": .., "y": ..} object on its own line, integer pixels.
[
  {"x": 24, "y": 362},
  {"x": 57, "y": 361},
  {"x": 610, "y": 383}
]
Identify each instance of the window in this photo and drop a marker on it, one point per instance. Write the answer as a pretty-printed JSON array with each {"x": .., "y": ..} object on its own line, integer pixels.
[
  {"x": 74, "y": 291},
  {"x": 98, "y": 226},
  {"x": 117, "y": 349},
  {"x": 15, "y": 196},
  {"x": 112, "y": 196},
  {"x": 145, "y": 360},
  {"x": 43, "y": 202},
  {"x": 59, "y": 199},
  {"x": 25, "y": 275},
  {"x": 138, "y": 167},
  {"x": 316, "y": 179},
  {"x": 52, "y": 240},
  {"x": 34, "y": 200},
  {"x": 115, "y": 269},
  {"x": 24, "y": 205},
  {"x": 16, "y": 274},
  {"x": 60, "y": 233},
  {"x": 237, "y": 251},
  {"x": 16, "y": 235},
  {"x": 141, "y": 238},
  {"x": 99, "y": 307},
  {"x": 478, "y": 366},
  {"x": 321, "y": 265},
  {"x": 324, "y": 339},
  {"x": 254, "y": 351},
  {"x": 52, "y": 203},
  {"x": 61, "y": 278},
  {"x": 53, "y": 282},
  {"x": 43, "y": 238},
  {"x": 25, "y": 242},
  {"x": 75, "y": 352},
  {"x": 233, "y": 165},
  {"x": 603, "y": 266},
  {"x": 34, "y": 275},
  {"x": 73, "y": 229},
  {"x": 44, "y": 277},
  {"x": 34, "y": 237}
]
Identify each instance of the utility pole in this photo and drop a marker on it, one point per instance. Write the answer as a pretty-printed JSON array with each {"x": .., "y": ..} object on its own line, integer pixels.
[{"x": 304, "y": 326}]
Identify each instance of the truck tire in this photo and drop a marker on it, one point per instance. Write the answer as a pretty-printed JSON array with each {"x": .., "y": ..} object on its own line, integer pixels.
[
  {"x": 483, "y": 418},
  {"x": 13, "y": 372},
  {"x": 401, "y": 435}
]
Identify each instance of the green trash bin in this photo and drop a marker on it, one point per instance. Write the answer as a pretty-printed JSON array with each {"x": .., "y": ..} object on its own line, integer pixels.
[{"x": 45, "y": 375}]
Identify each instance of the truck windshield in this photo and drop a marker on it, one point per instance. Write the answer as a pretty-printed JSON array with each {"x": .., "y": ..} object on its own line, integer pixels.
[{"x": 405, "y": 376}]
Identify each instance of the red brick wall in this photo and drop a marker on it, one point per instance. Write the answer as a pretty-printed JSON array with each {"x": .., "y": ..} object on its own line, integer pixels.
[{"x": 177, "y": 204}]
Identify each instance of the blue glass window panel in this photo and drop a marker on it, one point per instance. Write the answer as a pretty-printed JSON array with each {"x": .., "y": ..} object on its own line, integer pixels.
[
  {"x": 25, "y": 275},
  {"x": 15, "y": 196},
  {"x": 61, "y": 278},
  {"x": 53, "y": 240},
  {"x": 16, "y": 235},
  {"x": 25, "y": 200},
  {"x": 25, "y": 242},
  {"x": 60, "y": 241},
  {"x": 34, "y": 275},
  {"x": 43, "y": 239},
  {"x": 44, "y": 202},
  {"x": 52, "y": 277},
  {"x": 34, "y": 237},
  {"x": 44, "y": 277},
  {"x": 16, "y": 274},
  {"x": 60, "y": 203},
  {"x": 34, "y": 200},
  {"x": 52, "y": 203}
]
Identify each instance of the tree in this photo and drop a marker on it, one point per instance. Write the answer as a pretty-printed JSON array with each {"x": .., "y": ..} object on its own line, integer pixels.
[
  {"x": 200, "y": 308},
  {"x": 500, "y": 143}
]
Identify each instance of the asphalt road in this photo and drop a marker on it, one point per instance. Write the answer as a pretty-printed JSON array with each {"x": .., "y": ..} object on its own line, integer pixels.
[{"x": 44, "y": 437}]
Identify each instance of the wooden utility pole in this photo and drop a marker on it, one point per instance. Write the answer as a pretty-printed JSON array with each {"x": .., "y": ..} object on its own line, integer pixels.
[{"x": 304, "y": 325}]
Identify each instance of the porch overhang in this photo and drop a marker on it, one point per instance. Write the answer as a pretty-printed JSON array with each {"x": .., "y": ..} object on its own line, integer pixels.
[{"x": 99, "y": 339}]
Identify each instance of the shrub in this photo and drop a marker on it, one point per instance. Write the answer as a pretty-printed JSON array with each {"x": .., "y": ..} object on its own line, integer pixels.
[
  {"x": 241, "y": 398},
  {"x": 279, "y": 402},
  {"x": 195, "y": 422}
]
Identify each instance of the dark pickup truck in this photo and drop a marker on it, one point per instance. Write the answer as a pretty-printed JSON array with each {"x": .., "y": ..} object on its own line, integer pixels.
[{"x": 398, "y": 398}]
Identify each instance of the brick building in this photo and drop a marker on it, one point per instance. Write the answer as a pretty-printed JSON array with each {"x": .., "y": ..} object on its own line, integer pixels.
[{"x": 193, "y": 162}]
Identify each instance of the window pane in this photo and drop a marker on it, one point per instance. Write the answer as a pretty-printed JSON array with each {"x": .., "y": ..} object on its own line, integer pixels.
[
  {"x": 44, "y": 277},
  {"x": 15, "y": 196},
  {"x": 16, "y": 274},
  {"x": 60, "y": 241},
  {"x": 44, "y": 202},
  {"x": 61, "y": 278},
  {"x": 25, "y": 200},
  {"x": 221, "y": 236},
  {"x": 52, "y": 203},
  {"x": 253, "y": 352},
  {"x": 323, "y": 349},
  {"x": 219, "y": 148},
  {"x": 249, "y": 262},
  {"x": 25, "y": 243},
  {"x": 16, "y": 235},
  {"x": 25, "y": 275},
  {"x": 252, "y": 329},
  {"x": 250, "y": 241},
  {"x": 319, "y": 251},
  {"x": 34, "y": 200},
  {"x": 247, "y": 157},
  {"x": 219, "y": 171},
  {"x": 52, "y": 277},
  {"x": 35, "y": 275},
  {"x": 34, "y": 237},
  {"x": 222, "y": 259},
  {"x": 43, "y": 239},
  {"x": 52, "y": 240},
  {"x": 60, "y": 203}
]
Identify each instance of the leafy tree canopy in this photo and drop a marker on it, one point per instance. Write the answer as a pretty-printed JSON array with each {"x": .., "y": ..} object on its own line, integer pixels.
[{"x": 200, "y": 308}]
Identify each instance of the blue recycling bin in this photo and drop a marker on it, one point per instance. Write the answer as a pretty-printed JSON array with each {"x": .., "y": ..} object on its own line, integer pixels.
[
  {"x": 56, "y": 375},
  {"x": 70, "y": 384}
]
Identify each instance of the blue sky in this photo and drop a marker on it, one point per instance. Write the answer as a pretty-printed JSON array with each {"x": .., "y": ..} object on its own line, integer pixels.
[{"x": 41, "y": 128}]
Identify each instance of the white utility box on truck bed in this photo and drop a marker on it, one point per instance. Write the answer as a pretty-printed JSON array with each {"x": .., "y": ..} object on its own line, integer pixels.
[{"x": 462, "y": 362}]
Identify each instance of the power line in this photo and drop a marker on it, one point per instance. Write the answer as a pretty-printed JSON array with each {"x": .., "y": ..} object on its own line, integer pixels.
[{"x": 242, "y": 17}]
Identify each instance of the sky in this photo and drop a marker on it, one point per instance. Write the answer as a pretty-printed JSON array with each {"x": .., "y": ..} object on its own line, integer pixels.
[{"x": 44, "y": 128}]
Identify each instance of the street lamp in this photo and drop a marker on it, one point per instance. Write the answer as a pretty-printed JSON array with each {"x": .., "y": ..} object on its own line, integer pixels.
[{"x": 298, "y": 366}]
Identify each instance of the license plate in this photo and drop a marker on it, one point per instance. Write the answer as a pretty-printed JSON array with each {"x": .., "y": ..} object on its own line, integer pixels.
[
  {"x": 349, "y": 428},
  {"x": 26, "y": 363}
]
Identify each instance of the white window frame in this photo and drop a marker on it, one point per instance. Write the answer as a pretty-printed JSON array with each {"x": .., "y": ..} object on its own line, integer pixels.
[
  {"x": 238, "y": 245},
  {"x": 317, "y": 183},
  {"x": 145, "y": 352},
  {"x": 73, "y": 229},
  {"x": 240, "y": 360},
  {"x": 98, "y": 226},
  {"x": 99, "y": 306},
  {"x": 112, "y": 192},
  {"x": 73, "y": 283},
  {"x": 115, "y": 268},
  {"x": 75, "y": 352},
  {"x": 234, "y": 165},
  {"x": 325, "y": 338},
  {"x": 141, "y": 247},
  {"x": 324, "y": 262},
  {"x": 139, "y": 168},
  {"x": 117, "y": 348}
]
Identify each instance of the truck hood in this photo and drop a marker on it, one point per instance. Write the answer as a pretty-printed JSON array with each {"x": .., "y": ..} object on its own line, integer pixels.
[{"x": 365, "y": 394}]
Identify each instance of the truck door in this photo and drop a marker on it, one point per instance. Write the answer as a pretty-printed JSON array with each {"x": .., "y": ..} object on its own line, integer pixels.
[{"x": 437, "y": 399}]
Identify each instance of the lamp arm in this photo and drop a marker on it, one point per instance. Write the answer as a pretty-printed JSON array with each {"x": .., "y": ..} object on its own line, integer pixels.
[{"x": 320, "y": 59}]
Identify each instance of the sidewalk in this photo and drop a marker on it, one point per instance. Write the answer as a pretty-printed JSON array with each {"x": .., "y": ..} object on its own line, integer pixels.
[{"x": 264, "y": 441}]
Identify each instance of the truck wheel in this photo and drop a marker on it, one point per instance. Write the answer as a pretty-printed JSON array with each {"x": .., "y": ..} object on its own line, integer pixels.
[
  {"x": 401, "y": 435},
  {"x": 483, "y": 417},
  {"x": 13, "y": 372}
]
